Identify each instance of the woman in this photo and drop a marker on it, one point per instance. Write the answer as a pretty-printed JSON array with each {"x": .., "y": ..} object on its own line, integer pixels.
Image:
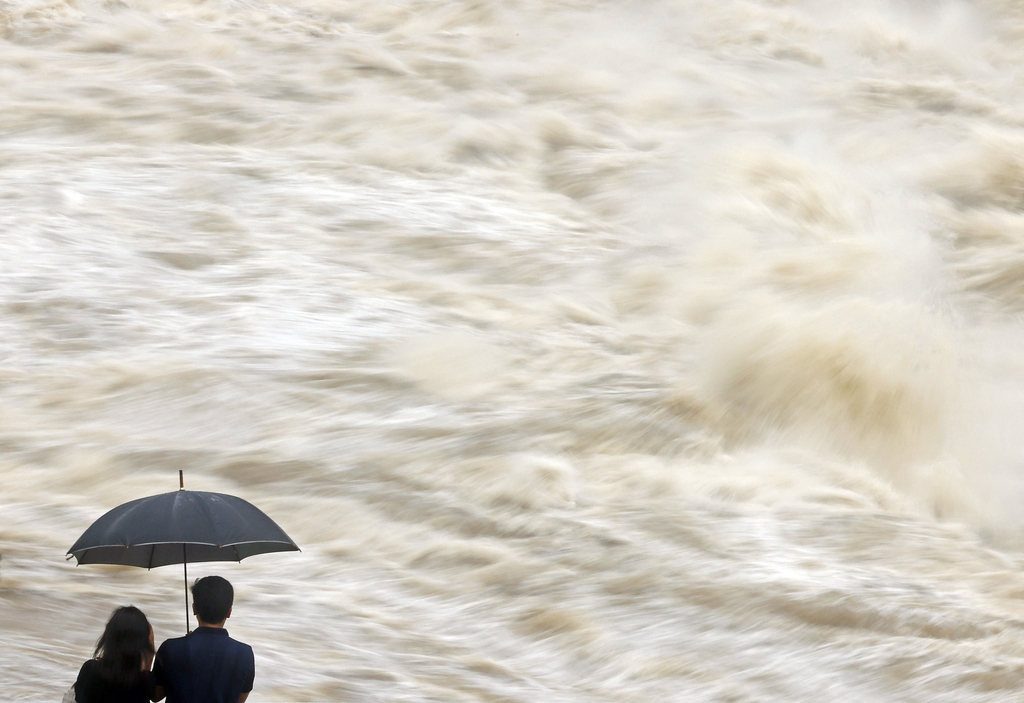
[{"x": 120, "y": 670}]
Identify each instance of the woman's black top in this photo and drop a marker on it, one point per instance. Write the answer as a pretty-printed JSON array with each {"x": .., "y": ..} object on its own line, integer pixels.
[{"x": 91, "y": 687}]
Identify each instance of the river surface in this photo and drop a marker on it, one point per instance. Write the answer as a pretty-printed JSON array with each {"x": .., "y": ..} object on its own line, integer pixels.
[{"x": 591, "y": 350}]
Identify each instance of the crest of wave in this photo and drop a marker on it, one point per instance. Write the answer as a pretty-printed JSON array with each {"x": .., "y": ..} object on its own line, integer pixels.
[{"x": 875, "y": 383}]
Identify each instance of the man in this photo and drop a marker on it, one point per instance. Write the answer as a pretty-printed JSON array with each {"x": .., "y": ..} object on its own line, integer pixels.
[{"x": 206, "y": 666}]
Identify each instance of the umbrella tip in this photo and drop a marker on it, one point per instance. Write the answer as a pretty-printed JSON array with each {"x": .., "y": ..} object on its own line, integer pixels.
[{"x": 181, "y": 480}]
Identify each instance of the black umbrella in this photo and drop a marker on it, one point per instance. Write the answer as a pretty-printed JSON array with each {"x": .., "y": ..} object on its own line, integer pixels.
[{"x": 178, "y": 528}]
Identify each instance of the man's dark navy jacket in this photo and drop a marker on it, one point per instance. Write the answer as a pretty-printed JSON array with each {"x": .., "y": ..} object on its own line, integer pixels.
[{"x": 205, "y": 666}]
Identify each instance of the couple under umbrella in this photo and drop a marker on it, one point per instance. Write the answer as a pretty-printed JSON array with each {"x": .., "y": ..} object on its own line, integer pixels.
[{"x": 177, "y": 528}]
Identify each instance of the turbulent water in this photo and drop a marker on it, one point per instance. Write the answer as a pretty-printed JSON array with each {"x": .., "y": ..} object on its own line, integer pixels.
[{"x": 592, "y": 351}]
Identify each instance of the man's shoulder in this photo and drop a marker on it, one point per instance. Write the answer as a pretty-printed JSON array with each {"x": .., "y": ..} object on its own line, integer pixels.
[
  {"x": 171, "y": 644},
  {"x": 179, "y": 646},
  {"x": 238, "y": 644}
]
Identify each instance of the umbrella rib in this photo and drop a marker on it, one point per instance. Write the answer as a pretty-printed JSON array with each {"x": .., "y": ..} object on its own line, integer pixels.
[{"x": 202, "y": 544}]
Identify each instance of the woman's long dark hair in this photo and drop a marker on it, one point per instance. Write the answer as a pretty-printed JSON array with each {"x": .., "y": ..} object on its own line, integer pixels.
[{"x": 121, "y": 647}]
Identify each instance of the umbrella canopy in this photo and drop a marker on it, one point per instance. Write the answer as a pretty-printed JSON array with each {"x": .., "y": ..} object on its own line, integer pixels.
[{"x": 179, "y": 527}]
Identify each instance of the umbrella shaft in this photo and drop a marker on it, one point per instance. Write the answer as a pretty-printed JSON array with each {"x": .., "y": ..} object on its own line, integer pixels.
[{"x": 184, "y": 564}]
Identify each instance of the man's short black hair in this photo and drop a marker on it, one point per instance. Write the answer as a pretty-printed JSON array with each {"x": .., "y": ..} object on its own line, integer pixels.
[{"x": 213, "y": 597}]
